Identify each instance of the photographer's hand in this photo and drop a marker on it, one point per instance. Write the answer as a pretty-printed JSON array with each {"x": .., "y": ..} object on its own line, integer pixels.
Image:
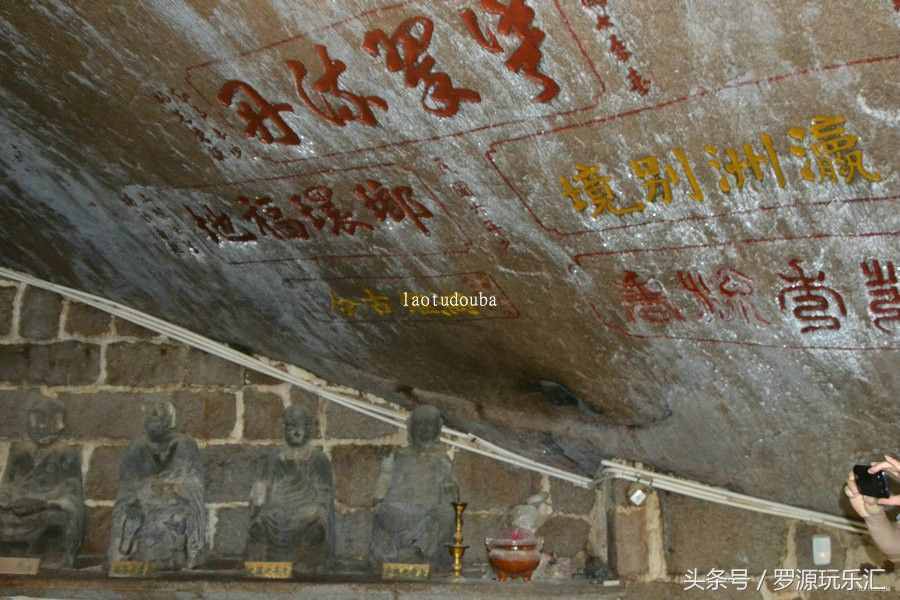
[
  {"x": 864, "y": 506},
  {"x": 889, "y": 465},
  {"x": 885, "y": 534}
]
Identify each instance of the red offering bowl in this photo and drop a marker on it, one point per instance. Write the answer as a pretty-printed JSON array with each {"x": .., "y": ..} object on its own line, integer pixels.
[{"x": 511, "y": 558}]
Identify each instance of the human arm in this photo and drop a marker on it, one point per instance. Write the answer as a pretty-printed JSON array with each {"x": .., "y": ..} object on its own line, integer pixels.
[{"x": 885, "y": 534}]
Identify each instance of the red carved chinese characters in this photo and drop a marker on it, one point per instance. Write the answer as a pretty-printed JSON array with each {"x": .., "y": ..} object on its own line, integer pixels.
[
  {"x": 648, "y": 304},
  {"x": 316, "y": 211},
  {"x": 270, "y": 220},
  {"x": 732, "y": 298},
  {"x": 316, "y": 205},
  {"x": 884, "y": 296},
  {"x": 618, "y": 49},
  {"x": 811, "y": 299},
  {"x": 396, "y": 203},
  {"x": 328, "y": 84},
  {"x": 516, "y": 19},
  {"x": 404, "y": 50},
  {"x": 737, "y": 289},
  {"x": 638, "y": 83},
  {"x": 255, "y": 119},
  {"x": 464, "y": 191},
  {"x": 219, "y": 227}
]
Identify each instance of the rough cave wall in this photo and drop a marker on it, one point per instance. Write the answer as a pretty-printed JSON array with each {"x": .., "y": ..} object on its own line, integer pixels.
[
  {"x": 101, "y": 368},
  {"x": 276, "y": 174}
]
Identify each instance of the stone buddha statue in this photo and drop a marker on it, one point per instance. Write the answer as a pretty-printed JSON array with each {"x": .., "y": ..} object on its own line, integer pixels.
[
  {"x": 414, "y": 519},
  {"x": 41, "y": 494},
  {"x": 160, "y": 515},
  {"x": 292, "y": 502}
]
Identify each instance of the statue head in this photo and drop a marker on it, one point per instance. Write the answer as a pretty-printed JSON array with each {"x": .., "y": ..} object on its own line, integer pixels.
[
  {"x": 424, "y": 426},
  {"x": 298, "y": 426},
  {"x": 46, "y": 421},
  {"x": 159, "y": 420}
]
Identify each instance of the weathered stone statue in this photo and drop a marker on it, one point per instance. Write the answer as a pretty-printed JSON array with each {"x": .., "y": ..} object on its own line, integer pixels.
[
  {"x": 292, "y": 503},
  {"x": 41, "y": 495},
  {"x": 414, "y": 519},
  {"x": 160, "y": 515}
]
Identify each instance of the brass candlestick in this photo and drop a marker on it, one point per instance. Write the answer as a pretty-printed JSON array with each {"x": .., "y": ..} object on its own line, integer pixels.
[{"x": 458, "y": 549}]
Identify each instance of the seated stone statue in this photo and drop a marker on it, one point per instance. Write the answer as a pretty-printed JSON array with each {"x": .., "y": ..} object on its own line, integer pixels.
[
  {"x": 414, "y": 519},
  {"x": 292, "y": 503},
  {"x": 160, "y": 515},
  {"x": 41, "y": 495}
]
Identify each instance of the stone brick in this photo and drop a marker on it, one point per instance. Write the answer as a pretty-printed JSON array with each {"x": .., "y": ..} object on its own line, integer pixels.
[
  {"x": 307, "y": 399},
  {"x": 65, "y": 363},
  {"x": 126, "y": 328},
  {"x": 201, "y": 368},
  {"x": 231, "y": 532},
  {"x": 103, "y": 474},
  {"x": 803, "y": 536},
  {"x": 205, "y": 415},
  {"x": 704, "y": 535},
  {"x": 356, "y": 469},
  {"x": 231, "y": 471},
  {"x": 13, "y": 404},
  {"x": 14, "y": 363},
  {"x": 115, "y": 415},
  {"x": 107, "y": 415},
  {"x": 97, "y": 531},
  {"x": 627, "y": 548},
  {"x": 87, "y": 321},
  {"x": 262, "y": 415},
  {"x": 475, "y": 529},
  {"x": 39, "y": 317},
  {"x": 566, "y": 536},
  {"x": 488, "y": 484},
  {"x": 345, "y": 423},
  {"x": 353, "y": 531},
  {"x": 7, "y": 300},
  {"x": 571, "y": 499},
  {"x": 144, "y": 364}
]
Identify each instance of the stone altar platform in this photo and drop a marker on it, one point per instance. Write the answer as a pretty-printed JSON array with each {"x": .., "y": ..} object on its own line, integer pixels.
[{"x": 231, "y": 586}]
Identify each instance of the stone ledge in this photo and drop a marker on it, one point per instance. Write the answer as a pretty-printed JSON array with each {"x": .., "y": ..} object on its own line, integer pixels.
[{"x": 230, "y": 586}]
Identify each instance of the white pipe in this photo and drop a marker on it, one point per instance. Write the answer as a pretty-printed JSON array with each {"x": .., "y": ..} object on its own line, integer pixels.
[
  {"x": 726, "y": 497},
  {"x": 454, "y": 438}
]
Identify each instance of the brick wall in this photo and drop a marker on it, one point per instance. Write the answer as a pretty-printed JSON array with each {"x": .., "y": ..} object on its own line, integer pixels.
[{"x": 101, "y": 367}]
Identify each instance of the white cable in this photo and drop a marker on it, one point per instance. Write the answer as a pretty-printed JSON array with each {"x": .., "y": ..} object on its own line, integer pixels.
[{"x": 454, "y": 438}]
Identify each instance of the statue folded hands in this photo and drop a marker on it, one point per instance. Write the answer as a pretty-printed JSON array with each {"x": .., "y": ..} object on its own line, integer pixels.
[
  {"x": 41, "y": 494},
  {"x": 414, "y": 519},
  {"x": 292, "y": 502}
]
